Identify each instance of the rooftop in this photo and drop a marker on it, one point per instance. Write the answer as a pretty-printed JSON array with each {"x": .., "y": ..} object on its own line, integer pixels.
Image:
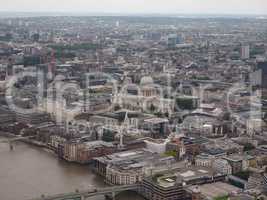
[
  {"x": 182, "y": 175},
  {"x": 215, "y": 151},
  {"x": 216, "y": 189},
  {"x": 134, "y": 159},
  {"x": 156, "y": 120}
]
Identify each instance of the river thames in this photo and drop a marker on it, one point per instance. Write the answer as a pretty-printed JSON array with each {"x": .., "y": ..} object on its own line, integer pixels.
[{"x": 28, "y": 172}]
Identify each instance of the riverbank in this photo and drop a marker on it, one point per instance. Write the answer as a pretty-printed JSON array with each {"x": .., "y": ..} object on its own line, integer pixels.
[
  {"x": 26, "y": 140},
  {"x": 7, "y": 135},
  {"x": 32, "y": 157},
  {"x": 30, "y": 171}
]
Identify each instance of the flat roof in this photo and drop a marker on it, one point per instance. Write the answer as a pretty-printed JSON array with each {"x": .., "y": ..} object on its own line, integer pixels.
[
  {"x": 216, "y": 189},
  {"x": 188, "y": 173},
  {"x": 127, "y": 154},
  {"x": 156, "y": 120}
]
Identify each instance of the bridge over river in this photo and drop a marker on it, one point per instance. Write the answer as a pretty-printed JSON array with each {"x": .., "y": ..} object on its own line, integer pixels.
[
  {"x": 11, "y": 141},
  {"x": 110, "y": 192}
]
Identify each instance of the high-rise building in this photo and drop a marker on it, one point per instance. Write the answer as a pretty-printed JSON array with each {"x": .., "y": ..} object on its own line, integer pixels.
[
  {"x": 9, "y": 70},
  {"x": 42, "y": 79},
  {"x": 245, "y": 54},
  {"x": 173, "y": 40},
  {"x": 259, "y": 76}
]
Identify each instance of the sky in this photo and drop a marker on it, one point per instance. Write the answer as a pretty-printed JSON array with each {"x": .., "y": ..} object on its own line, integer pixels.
[{"x": 138, "y": 6}]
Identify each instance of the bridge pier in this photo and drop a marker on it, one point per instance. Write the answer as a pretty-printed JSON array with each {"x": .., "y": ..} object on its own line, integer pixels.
[
  {"x": 113, "y": 195},
  {"x": 110, "y": 196},
  {"x": 11, "y": 146},
  {"x": 109, "y": 193}
]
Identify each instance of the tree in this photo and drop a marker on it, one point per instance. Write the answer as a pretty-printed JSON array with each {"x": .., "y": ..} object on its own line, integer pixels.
[
  {"x": 248, "y": 147},
  {"x": 221, "y": 198},
  {"x": 171, "y": 153},
  {"x": 226, "y": 116},
  {"x": 185, "y": 103},
  {"x": 152, "y": 108},
  {"x": 117, "y": 107},
  {"x": 243, "y": 175},
  {"x": 35, "y": 37}
]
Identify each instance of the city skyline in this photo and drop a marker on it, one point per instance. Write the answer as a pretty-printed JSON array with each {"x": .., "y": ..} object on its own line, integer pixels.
[
  {"x": 237, "y": 7},
  {"x": 133, "y": 100}
]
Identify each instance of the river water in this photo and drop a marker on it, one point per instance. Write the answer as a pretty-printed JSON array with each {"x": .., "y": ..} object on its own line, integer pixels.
[{"x": 28, "y": 172}]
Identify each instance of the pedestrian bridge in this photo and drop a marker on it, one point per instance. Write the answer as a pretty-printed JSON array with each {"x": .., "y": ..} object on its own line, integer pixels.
[
  {"x": 18, "y": 138},
  {"x": 82, "y": 195},
  {"x": 11, "y": 141}
]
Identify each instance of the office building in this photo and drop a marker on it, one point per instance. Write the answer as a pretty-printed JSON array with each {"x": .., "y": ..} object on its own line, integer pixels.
[
  {"x": 245, "y": 54},
  {"x": 222, "y": 166}
]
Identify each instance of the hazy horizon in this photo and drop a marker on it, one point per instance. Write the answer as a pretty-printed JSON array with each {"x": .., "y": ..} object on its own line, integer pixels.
[{"x": 198, "y": 7}]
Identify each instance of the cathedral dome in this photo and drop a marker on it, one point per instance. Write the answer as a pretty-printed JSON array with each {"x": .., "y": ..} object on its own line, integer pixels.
[{"x": 147, "y": 80}]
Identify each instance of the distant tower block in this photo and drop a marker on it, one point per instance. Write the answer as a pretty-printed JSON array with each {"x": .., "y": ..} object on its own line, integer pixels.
[
  {"x": 51, "y": 67},
  {"x": 117, "y": 24},
  {"x": 9, "y": 70},
  {"x": 245, "y": 54},
  {"x": 42, "y": 75}
]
